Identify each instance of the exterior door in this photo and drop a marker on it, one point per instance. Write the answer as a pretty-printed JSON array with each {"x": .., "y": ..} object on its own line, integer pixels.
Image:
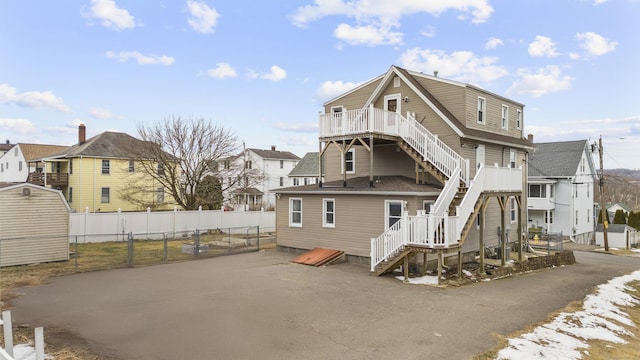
[
  {"x": 479, "y": 156},
  {"x": 391, "y": 105},
  {"x": 392, "y": 212},
  {"x": 336, "y": 120}
]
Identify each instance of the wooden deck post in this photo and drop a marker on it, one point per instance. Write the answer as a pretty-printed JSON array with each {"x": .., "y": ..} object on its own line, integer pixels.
[
  {"x": 405, "y": 268},
  {"x": 424, "y": 263},
  {"x": 503, "y": 244},
  {"x": 439, "y": 266},
  {"x": 483, "y": 207},
  {"x": 460, "y": 263},
  {"x": 520, "y": 230}
]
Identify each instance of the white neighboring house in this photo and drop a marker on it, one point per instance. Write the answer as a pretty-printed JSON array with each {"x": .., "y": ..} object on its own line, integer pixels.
[
  {"x": 561, "y": 184},
  {"x": 18, "y": 162},
  {"x": 270, "y": 166}
]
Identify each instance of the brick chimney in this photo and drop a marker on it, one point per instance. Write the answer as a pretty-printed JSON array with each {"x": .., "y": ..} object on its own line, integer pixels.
[
  {"x": 273, "y": 148},
  {"x": 530, "y": 138},
  {"x": 82, "y": 134}
]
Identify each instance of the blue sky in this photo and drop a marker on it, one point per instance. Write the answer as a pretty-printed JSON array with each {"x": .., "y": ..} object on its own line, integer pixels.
[{"x": 264, "y": 68}]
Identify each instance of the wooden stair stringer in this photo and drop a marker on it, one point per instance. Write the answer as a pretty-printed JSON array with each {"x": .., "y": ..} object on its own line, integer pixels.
[
  {"x": 431, "y": 169},
  {"x": 393, "y": 263}
]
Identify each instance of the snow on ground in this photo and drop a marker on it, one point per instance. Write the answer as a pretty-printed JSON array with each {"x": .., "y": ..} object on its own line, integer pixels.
[
  {"x": 421, "y": 280},
  {"x": 567, "y": 335}
]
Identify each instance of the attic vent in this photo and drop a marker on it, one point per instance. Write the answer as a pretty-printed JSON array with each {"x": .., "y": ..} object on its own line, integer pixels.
[
  {"x": 396, "y": 82},
  {"x": 26, "y": 192}
]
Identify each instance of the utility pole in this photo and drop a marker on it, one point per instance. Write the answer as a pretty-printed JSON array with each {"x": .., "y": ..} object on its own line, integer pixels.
[{"x": 603, "y": 208}]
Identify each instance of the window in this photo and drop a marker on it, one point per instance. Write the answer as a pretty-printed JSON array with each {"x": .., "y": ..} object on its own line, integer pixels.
[
  {"x": 577, "y": 215},
  {"x": 247, "y": 164},
  {"x": 132, "y": 166},
  {"x": 518, "y": 119},
  {"x": 19, "y": 165},
  {"x": 306, "y": 181},
  {"x": 70, "y": 197},
  {"x": 481, "y": 110},
  {"x": 106, "y": 167},
  {"x": 588, "y": 186},
  {"x": 160, "y": 169},
  {"x": 582, "y": 165},
  {"x": 548, "y": 217},
  {"x": 349, "y": 162},
  {"x": 104, "y": 195},
  {"x": 426, "y": 205},
  {"x": 396, "y": 82},
  {"x": 393, "y": 212},
  {"x": 295, "y": 212},
  {"x": 226, "y": 164},
  {"x": 537, "y": 191},
  {"x": 296, "y": 181},
  {"x": 588, "y": 215},
  {"x": 512, "y": 159},
  {"x": 505, "y": 117},
  {"x": 160, "y": 195},
  {"x": 513, "y": 209},
  {"x": 281, "y": 181},
  {"x": 329, "y": 213},
  {"x": 478, "y": 221},
  {"x": 15, "y": 151},
  {"x": 70, "y": 166},
  {"x": 551, "y": 187},
  {"x": 281, "y": 164}
]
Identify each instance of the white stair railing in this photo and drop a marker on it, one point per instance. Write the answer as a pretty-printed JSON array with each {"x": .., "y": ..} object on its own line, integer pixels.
[{"x": 373, "y": 120}]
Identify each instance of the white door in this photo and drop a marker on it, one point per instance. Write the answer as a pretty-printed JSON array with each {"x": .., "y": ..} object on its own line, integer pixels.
[
  {"x": 392, "y": 212},
  {"x": 479, "y": 156},
  {"x": 391, "y": 105}
]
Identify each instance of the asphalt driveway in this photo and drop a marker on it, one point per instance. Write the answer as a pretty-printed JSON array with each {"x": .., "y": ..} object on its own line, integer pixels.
[{"x": 259, "y": 305}]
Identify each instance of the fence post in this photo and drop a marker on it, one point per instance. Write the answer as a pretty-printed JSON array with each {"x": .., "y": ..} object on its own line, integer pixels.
[
  {"x": 166, "y": 251},
  {"x": 76, "y": 257},
  {"x": 130, "y": 249},
  {"x": 258, "y": 237},
  {"x": 8, "y": 332},
  {"x": 39, "y": 343},
  {"x": 197, "y": 243}
]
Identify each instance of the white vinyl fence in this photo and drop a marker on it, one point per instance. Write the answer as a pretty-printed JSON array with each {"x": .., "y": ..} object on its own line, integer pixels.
[{"x": 101, "y": 227}]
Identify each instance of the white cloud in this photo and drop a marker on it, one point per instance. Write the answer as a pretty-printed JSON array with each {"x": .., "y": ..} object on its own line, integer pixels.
[
  {"x": 459, "y": 65},
  {"x": 388, "y": 11},
  {"x": 367, "y": 35},
  {"x": 493, "y": 43},
  {"x": 542, "y": 46},
  {"x": 540, "y": 82},
  {"x": 599, "y": 2},
  {"x": 124, "y": 56},
  {"x": 221, "y": 71},
  {"x": 595, "y": 44},
  {"x": 277, "y": 73},
  {"x": 330, "y": 89},
  {"x": 110, "y": 15},
  {"x": 100, "y": 113},
  {"x": 32, "y": 99},
  {"x": 299, "y": 127},
  {"x": 202, "y": 18},
  {"x": 18, "y": 126},
  {"x": 429, "y": 31}
]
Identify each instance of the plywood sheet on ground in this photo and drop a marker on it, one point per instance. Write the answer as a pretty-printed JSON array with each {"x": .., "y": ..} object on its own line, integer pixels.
[{"x": 318, "y": 257}]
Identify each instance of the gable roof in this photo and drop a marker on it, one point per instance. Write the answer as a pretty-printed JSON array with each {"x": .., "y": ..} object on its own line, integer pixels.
[
  {"x": 108, "y": 144},
  {"x": 309, "y": 166},
  {"x": 37, "y": 151},
  {"x": 275, "y": 154},
  {"x": 557, "y": 159},
  {"x": 409, "y": 77},
  {"x": 615, "y": 228}
]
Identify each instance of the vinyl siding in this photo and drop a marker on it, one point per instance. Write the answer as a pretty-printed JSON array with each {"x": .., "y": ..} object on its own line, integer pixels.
[
  {"x": 386, "y": 161},
  {"x": 493, "y": 114},
  {"x": 449, "y": 95},
  {"x": 354, "y": 100},
  {"x": 27, "y": 236},
  {"x": 354, "y": 227}
]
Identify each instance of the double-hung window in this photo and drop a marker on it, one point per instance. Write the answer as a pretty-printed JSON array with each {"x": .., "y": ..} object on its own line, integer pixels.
[
  {"x": 505, "y": 117},
  {"x": 482, "y": 107},
  {"x": 105, "y": 195},
  {"x": 349, "y": 161},
  {"x": 518, "y": 119},
  {"x": 513, "y": 210},
  {"x": 295, "y": 212},
  {"x": 106, "y": 167},
  {"x": 329, "y": 213}
]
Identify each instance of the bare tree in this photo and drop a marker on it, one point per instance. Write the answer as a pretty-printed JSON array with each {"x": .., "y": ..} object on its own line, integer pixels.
[{"x": 179, "y": 154}]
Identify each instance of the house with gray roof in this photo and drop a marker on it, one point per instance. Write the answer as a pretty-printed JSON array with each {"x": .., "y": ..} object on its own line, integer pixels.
[
  {"x": 619, "y": 236},
  {"x": 307, "y": 171},
  {"x": 561, "y": 189}
]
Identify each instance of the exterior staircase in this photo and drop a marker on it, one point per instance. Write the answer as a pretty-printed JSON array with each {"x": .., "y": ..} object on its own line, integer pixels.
[{"x": 450, "y": 219}]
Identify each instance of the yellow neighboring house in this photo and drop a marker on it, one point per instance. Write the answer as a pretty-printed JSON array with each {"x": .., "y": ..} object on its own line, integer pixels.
[{"x": 102, "y": 174}]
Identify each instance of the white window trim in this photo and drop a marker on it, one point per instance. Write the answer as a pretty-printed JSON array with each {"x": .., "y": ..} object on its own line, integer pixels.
[
  {"x": 324, "y": 213},
  {"x": 426, "y": 205},
  {"x": 396, "y": 82},
  {"x": 513, "y": 159},
  {"x": 504, "y": 117},
  {"x": 518, "y": 119},
  {"x": 513, "y": 210},
  {"x": 291, "y": 223},
  {"x": 483, "y": 109},
  {"x": 353, "y": 161}
]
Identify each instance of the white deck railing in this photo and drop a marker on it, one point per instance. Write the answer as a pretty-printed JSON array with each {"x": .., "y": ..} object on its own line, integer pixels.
[
  {"x": 440, "y": 230},
  {"x": 372, "y": 120}
]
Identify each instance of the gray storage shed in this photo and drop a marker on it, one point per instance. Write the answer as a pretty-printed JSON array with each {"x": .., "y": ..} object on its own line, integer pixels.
[{"x": 34, "y": 225}]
